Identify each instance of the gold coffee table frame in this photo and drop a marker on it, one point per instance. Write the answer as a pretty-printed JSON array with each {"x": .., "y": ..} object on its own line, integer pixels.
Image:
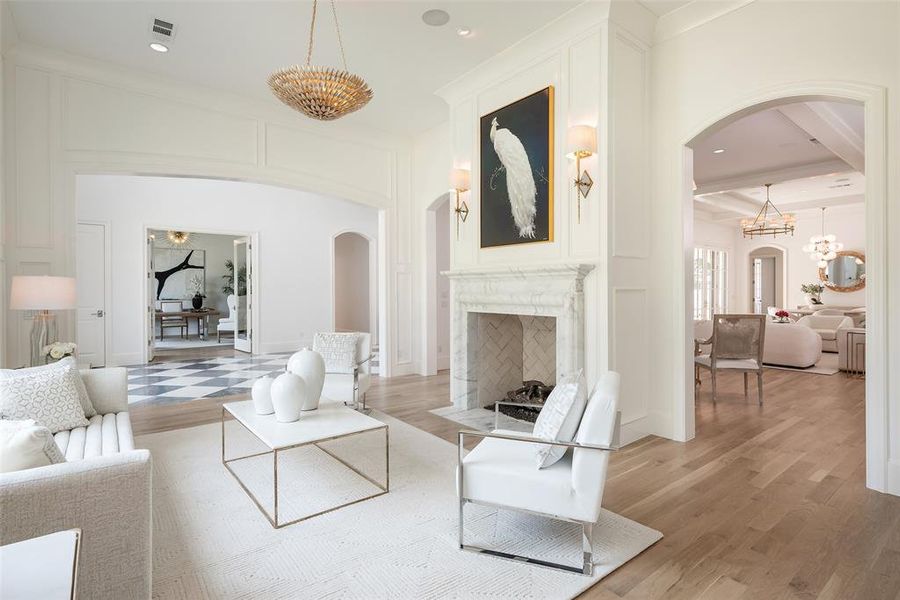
[{"x": 273, "y": 518}]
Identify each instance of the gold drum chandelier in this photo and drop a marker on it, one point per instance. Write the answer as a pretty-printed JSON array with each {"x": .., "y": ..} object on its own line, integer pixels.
[
  {"x": 769, "y": 221},
  {"x": 322, "y": 93}
]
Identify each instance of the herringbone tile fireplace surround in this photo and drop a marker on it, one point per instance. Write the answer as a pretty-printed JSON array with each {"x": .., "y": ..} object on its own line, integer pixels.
[{"x": 513, "y": 324}]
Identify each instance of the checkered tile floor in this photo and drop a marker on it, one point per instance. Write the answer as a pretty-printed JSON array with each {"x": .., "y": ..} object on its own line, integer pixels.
[{"x": 174, "y": 382}]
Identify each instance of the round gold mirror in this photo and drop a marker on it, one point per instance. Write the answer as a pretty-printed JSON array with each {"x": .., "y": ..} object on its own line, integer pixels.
[{"x": 845, "y": 273}]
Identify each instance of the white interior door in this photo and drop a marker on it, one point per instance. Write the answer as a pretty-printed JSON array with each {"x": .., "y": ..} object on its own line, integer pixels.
[
  {"x": 151, "y": 301},
  {"x": 90, "y": 277},
  {"x": 243, "y": 334},
  {"x": 763, "y": 284}
]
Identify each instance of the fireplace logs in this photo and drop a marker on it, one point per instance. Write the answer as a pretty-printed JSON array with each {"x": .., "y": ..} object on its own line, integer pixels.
[{"x": 531, "y": 392}]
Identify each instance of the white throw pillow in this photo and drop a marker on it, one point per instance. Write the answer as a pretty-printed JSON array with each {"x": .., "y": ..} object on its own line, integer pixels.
[
  {"x": 69, "y": 361},
  {"x": 49, "y": 396},
  {"x": 338, "y": 350},
  {"x": 26, "y": 445},
  {"x": 559, "y": 418}
]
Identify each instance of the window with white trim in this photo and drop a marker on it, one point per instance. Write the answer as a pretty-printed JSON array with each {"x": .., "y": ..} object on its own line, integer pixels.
[{"x": 710, "y": 277}]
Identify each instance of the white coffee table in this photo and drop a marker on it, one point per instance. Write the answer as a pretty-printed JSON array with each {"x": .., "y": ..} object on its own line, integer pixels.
[{"x": 331, "y": 421}]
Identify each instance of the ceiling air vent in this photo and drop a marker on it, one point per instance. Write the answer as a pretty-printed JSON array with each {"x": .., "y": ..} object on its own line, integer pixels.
[{"x": 162, "y": 29}]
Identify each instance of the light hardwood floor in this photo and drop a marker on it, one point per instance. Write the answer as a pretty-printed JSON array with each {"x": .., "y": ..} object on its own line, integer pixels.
[{"x": 765, "y": 503}]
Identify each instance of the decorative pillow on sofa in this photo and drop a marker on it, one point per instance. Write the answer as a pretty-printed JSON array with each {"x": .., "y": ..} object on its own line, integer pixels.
[
  {"x": 338, "y": 350},
  {"x": 49, "y": 396},
  {"x": 69, "y": 361},
  {"x": 559, "y": 418},
  {"x": 26, "y": 445}
]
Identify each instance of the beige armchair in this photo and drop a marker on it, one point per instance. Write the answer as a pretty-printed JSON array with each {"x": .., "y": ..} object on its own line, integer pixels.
[
  {"x": 737, "y": 344},
  {"x": 827, "y": 327}
]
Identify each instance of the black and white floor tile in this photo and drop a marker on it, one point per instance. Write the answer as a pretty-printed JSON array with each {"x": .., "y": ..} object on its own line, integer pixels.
[{"x": 186, "y": 380}]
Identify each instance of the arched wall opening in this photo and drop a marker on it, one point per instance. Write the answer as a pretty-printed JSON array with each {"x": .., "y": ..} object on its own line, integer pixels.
[
  {"x": 767, "y": 279},
  {"x": 437, "y": 287},
  {"x": 355, "y": 278},
  {"x": 877, "y": 401},
  {"x": 275, "y": 215}
]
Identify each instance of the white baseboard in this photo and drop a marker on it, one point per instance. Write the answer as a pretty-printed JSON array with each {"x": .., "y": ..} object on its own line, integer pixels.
[
  {"x": 893, "y": 478},
  {"x": 290, "y": 346},
  {"x": 125, "y": 359}
]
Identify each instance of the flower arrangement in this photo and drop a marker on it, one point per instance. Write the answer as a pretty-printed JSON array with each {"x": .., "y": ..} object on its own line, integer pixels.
[
  {"x": 813, "y": 291},
  {"x": 58, "y": 351},
  {"x": 783, "y": 316}
]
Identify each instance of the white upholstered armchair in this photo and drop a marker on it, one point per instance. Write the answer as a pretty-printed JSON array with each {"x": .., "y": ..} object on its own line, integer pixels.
[
  {"x": 348, "y": 358},
  {"x": 229, "y": 323},
  {"x": 501, "y": 472},
  {"x": 827, "y": 327}
]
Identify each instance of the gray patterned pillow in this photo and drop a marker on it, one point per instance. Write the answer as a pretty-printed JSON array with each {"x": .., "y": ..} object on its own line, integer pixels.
[
  {"x": 48, "y": 396},
  {"x": 26, "y": 445},
  {"x": 338, "y": 350},
  {"x": 559, "y": 418},
  {"x": 69, "y": 361}
]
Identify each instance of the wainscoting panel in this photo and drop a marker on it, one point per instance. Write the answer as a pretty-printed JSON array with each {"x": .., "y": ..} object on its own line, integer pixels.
[
  {"x": 33, "y": 200},
  {"x": 102, "y": 118},
  {"x": 630, "y": 344}
]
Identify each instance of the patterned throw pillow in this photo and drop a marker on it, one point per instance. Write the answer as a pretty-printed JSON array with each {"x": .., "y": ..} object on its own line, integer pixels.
[
  {"x": 338, "y": 350},
  {"x": 26, "y": 445},
  {"x": 559, "y": 418},
  {"x": 69, "y": 361},
  {"x": 49, "y": 396}
]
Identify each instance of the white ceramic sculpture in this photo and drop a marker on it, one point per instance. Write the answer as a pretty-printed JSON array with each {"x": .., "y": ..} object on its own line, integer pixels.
[
  {"x": 261, "y": 392},
  {"x": 288, "y": 397},
  {"x": 309, "y": 365}
]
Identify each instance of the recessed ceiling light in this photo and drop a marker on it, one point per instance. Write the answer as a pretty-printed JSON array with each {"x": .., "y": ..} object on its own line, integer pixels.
[
  {"x": 436, "y": 17},
  {"x": 463, "y": 32},
  {"x": 718, "y": 150},
  {"x": 159, "y": 47}
]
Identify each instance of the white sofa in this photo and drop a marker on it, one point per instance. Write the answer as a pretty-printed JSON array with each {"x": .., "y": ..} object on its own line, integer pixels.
[
  {"x": 827, "y": 327},
  {"x": 103, "y": 488},
  {"x": 786, "y": 345}
]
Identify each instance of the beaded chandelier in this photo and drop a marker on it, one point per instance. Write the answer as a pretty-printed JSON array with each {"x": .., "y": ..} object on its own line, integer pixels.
[{"x": 323, "y": 93}]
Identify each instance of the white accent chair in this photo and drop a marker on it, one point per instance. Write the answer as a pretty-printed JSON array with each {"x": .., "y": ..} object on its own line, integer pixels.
[
  {"x": 827, "y": 327},
  {"x": 501, "y": 471},
  {"x": 103, "y": 489},
  {"x": 230, "y": 323},
  {"x": 350, "y": 388},
  {"x": 737, "y": 345}
]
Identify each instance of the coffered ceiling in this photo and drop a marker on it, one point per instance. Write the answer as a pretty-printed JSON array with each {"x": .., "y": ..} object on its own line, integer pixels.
[
  {"x": 813, "y": 153},
  {"x": 234, "y": 45}
]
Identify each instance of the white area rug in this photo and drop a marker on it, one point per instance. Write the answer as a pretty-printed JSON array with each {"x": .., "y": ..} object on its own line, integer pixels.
[
  {"x": 210, "y": 540},
  {"x": 827, "y": 365}
]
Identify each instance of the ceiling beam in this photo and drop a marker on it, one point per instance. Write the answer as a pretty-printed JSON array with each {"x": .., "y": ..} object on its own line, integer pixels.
[
  {"x": 729, "y": 202},
  {"x": 778, "y": 176},
  {"x": 822, "y": 123}
]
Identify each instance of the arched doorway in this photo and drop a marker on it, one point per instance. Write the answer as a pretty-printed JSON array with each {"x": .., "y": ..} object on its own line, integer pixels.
[
  {"x": 876, "y": 384},
  {"x": 767, "y": 279},
  {"x": 355, "y": 285}
]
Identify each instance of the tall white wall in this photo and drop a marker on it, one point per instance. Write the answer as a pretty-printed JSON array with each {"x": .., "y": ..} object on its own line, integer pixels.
[
  {"x": 752, "y": 54},
  {"x": 294, "y": 232},
  {"x": 597, "y": 59},
  {"x": 76, "y": 116}
]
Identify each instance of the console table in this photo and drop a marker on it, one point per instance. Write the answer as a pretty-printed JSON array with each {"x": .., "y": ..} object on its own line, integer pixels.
[{"x": 201, "y": 315}]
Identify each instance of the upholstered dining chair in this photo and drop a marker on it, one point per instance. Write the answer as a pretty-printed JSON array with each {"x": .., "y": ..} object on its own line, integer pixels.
[
  {"x": 737, "y": 344},
  {"x": 348, "y": 357},
  {"x": 228, "y": 324},
  {"x": 171, "y": 306},
  {"x": 501, "y": 472}
]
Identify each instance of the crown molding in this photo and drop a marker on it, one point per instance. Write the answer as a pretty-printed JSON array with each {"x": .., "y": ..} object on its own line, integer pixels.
[{"x": 692, "y": 15}]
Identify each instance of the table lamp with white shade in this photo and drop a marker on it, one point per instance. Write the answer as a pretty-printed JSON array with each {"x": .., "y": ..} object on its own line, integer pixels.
[{"x": 42, "y": 294}]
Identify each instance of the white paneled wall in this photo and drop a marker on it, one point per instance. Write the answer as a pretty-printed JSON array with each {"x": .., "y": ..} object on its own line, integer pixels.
[
  {"x": 72, "y": 116},
  {"x": 599, "y": 69}
]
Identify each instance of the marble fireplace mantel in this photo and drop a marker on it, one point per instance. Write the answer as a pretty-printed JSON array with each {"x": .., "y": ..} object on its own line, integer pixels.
[{"x": 543, "y": 290}]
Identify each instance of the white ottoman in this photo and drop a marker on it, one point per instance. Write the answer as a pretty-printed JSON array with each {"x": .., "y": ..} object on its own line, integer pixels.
[{"x": 791, "y": 345}]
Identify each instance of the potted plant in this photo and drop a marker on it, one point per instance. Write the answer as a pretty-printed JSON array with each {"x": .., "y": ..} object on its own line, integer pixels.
[
  {"x": 197, "y": 285},
  {"x": 813, "y": 292}
]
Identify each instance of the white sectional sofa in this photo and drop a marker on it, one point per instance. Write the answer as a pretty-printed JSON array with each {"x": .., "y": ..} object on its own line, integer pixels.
[
  {"x": 827, "y": 327},
  {"x": 103, "y": 488}
]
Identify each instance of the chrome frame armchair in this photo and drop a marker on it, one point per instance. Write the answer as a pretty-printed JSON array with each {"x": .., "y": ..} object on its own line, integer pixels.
[{"x": 587, "y": 528}]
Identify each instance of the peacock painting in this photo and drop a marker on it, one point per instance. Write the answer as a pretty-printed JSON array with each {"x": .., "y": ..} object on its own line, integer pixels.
[{"x": 517, "y": 172}]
